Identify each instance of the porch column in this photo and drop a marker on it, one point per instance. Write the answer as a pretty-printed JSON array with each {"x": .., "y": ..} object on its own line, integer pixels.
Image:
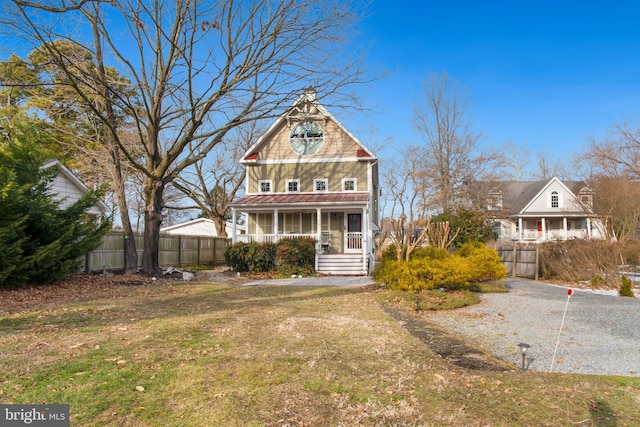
[
  {"x": 564, "y": 227},
  {"x": 319, "y": 236},
  {"x": 544, "y": 229},
  {"x": 588, "y": 228},
  {"x": 520, "y": 230},
  {"x": 233, "y": 228},
  {"x": 365, "y": 238},
  {"x": 275, "y": 226}
]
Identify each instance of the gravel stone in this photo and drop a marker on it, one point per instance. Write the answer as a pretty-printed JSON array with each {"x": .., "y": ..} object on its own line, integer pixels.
[{"x": 600, "y": 334}]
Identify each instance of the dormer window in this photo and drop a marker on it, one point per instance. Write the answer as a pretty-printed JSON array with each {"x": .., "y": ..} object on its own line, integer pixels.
[
  {"x": 494, "y": 200},
  {"x": 555, "y": 200}
]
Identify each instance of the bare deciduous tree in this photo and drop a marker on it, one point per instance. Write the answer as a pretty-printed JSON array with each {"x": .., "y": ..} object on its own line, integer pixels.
[
  {"x": 614, "y": 163},
  {"x": 549, "y": 168},
  {"x": 406, "y": 227},
  {"x": 199, "y": 69},
  {"x": 450, "y": 155},
  {"x": 618, "y": 153},
  {"x": 515, "y": 159},
  {"x": 214, "y": 182},
  {"x": 617, "y": 200}
]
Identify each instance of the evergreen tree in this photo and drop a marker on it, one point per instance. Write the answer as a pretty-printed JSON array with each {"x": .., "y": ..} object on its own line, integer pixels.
[{"x": 39, "y": 241}]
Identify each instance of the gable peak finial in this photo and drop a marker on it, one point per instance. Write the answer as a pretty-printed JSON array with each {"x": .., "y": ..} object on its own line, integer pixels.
[{"x": 310, "y": 93}]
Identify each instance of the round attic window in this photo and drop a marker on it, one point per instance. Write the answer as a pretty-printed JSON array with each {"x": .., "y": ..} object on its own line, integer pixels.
[{"x": 306, "y": 138}]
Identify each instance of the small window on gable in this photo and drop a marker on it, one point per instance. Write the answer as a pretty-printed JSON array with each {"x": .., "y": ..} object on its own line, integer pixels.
[
  {"x": 555, "y": 201},
  {"x": 349, "y": 184},
  {"x": 264, "y": 186},
  {"x": 293, "y": 186},
  {"x": 320, "y": 184}
]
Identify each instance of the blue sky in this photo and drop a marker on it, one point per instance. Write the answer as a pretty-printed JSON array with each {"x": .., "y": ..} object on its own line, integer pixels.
[{"x": 545, "y": 74}]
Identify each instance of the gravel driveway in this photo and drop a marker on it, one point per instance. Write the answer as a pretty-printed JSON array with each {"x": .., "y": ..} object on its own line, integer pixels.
[{"x": 601, "y": 333}]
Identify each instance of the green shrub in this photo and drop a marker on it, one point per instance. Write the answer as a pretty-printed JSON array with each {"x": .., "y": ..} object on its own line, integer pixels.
[
  {"x": 625, "y": 288},
  {"x": 296, "y": 256},
  {"x": 429, "y": 252},
  {"x": 289, "y": 256},
  {"x": 261, "y": 257},
  {"x": 250, "y": 256},
  {"x": 396, "y": 274},
  {"x": 433, "y": 268},
  {"x": 389, "y": 253},
  {"x": 40, "y": 240},
  {"x": 484, "y": 262}
]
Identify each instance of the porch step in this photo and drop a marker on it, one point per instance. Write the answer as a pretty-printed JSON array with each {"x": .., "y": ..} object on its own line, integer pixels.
[{"x": 341, "y": 264}]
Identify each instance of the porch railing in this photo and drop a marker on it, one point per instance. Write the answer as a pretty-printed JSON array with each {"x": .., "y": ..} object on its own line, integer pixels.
[
  {"x": 354, "y": 240},
  {"x": 271, "y": 238},
  {"x": 551, "y": 235}
]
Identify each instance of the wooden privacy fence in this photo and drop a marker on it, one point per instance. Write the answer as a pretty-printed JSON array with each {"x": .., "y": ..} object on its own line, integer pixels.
[
  {"x": 520, "y": 261},
  {"x": 175, "y": 250}
]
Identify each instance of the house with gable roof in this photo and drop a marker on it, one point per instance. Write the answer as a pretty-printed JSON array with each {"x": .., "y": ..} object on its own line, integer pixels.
[
  {"x": 539, "y": 211},
  {"x": 308, "y": 175},
  {"x": 67, "y": 188}
]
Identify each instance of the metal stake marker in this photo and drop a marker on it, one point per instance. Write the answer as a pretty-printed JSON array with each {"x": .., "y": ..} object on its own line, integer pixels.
[{"x": 553, "y": 359}]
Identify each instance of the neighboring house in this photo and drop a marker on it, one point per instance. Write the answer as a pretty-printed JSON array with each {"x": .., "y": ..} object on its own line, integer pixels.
[
  {"x": 309, "y": 176},
  {"x": 199, "y": 227},
  {"x": 68, "y": 188},
  {"x": 543, "y": 210}
]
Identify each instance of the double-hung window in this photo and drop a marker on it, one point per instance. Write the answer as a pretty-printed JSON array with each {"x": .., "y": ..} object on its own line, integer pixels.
[
  {"x": 293, "y": 186},
  {"x": 320, "y": 185},
  {"x": 349, "y": 184},
  {"x": 264, "y": 186}
]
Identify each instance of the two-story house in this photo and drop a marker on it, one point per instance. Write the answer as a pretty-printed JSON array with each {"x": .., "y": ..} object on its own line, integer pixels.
[
  {"x": 538, "y": 211},
  {"x": 308, "y": 175}
]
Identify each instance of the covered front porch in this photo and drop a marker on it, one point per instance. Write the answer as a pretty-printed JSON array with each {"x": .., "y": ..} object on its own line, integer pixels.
[
  {"x": 343, "y": 235},
  {"x": 542, "y": 229}
]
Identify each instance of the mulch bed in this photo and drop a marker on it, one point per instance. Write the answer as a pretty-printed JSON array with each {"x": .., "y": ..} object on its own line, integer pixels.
[{"x": 445, "y": 344}]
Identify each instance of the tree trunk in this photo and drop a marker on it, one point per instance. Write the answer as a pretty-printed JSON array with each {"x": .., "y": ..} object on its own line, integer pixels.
[
  {"x": 130, "y": 252},
  {"x": 153, "y": 191},
  {"x": 221, "y": 226}
]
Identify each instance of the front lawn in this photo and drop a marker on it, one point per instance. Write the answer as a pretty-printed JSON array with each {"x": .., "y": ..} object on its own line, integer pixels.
[{"x": 194, "y": 354}]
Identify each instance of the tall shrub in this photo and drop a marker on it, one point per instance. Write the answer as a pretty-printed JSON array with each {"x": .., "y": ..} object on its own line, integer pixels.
[
  {"x": 296, "y": 256},
  {"x": 39, "y": 241}
]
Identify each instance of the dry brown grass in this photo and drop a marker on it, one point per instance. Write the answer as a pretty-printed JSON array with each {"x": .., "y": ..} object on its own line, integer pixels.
[{"x": 218, "y": 354}]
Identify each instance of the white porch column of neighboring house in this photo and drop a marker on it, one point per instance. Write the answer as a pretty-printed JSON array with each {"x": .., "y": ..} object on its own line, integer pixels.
[
  {"x": 233, "y": 228},
  {"x": 588, "y": 228},
  {"x": 276, "y": 226},
  {"x": 520, "y": 230},
  {"x": 564, "y": 227},
  {"x": 544, "y": 229}
]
